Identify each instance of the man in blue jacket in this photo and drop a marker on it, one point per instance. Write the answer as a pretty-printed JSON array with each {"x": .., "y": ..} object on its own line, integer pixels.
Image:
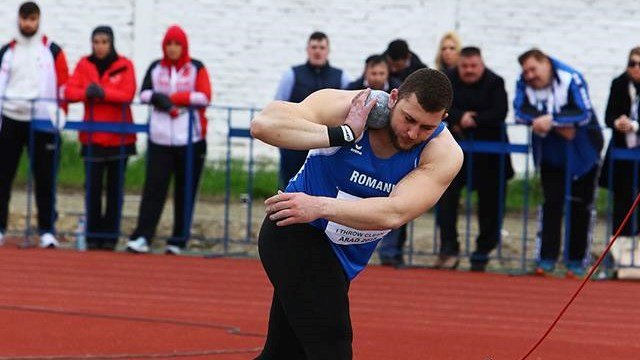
[{"x": 553, "y": 99}]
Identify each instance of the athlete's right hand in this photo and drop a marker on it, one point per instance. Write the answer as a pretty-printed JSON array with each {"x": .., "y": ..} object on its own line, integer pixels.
[
  {"x": 358, "y": 113},
  {"x": 293, "y": 208}
]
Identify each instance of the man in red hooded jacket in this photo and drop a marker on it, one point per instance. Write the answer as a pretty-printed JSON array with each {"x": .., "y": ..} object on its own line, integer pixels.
[{"x": 178, "y": 87}]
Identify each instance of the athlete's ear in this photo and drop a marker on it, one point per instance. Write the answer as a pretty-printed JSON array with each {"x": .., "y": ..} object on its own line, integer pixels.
[
  {"x": 393, "y": 98},
  {"x": 446, "y": 115}
]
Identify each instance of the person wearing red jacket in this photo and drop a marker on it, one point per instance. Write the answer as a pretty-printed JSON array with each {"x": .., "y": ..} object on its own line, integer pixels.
[
  {"x": 178, "y": 87},
  {"x": 105, "y": 82}
]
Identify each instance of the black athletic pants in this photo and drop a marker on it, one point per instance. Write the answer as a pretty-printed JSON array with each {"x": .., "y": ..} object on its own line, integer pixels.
[
  {"x": 14, "y": 137},
  {"x": 623, "y": 196},
  {"x": 103, "y": 227},
  {"x": 582, "y": 196},
  {"x": 489, "y": 213},
  {"x": 164, "y": 162},
  {"x": 309, "y": 316}
]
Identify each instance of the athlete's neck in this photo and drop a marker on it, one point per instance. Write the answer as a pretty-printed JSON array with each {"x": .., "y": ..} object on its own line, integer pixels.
[{"x": 381, "y": 143}]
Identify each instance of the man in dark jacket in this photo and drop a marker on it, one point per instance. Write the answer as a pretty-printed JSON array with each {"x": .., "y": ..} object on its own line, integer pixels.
[
  {"x": 402, "y": 61},
  {"x": 478, "y": 112},
  {"x": 300, "y": 81},
  {"x": 376, "y": 76}
]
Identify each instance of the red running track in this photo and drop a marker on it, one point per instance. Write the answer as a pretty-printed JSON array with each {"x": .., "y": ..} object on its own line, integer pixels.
[{"x": 72, "y": 305}]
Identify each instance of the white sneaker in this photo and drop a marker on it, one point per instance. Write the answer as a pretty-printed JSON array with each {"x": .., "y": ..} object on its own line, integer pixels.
[
  {"x": 139, "y": 245},
  {"x": 48, "y": 241},
  {"x": 172, "y": 250}
]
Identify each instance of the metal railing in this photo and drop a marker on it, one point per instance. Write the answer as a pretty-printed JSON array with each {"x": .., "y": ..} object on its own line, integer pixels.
[{"x": 416, "y": 248}]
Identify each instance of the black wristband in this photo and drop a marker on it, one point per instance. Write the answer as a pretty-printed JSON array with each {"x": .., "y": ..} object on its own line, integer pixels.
[{"x": 340, "y": 135}]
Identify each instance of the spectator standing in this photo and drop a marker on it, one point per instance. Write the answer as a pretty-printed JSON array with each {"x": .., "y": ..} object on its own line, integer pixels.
[
  {"x": 105, "y": 82},
  {"x": 375, "y": 76},
  {"x": 478, "y": 112},
  {"x": 448, "y": 51},
  {"x": 32, "y": 67},
  {"x": 622, "y": 117},
  {"x": 179, "y": 89},
  {"x": 299, "y": 82},
  {"x": 402, "y": 61},
  {"x": 553, "y": 99}
]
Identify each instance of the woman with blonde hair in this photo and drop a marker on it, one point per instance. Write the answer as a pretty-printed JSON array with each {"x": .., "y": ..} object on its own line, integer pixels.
[{"x": 448, "y": 51}]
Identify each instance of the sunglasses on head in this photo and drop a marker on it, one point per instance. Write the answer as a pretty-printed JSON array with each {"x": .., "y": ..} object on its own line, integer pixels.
[{"x": 632, "y": 63}]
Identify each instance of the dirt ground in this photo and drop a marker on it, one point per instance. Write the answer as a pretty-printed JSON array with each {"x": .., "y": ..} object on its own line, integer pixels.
[{"x": 208, "y": 231}]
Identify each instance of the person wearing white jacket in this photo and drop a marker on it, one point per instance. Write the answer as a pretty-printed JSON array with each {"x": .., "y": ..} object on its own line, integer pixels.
[
  {"x": 172, "y": 85},
  {"x": 33, "y": 71}
]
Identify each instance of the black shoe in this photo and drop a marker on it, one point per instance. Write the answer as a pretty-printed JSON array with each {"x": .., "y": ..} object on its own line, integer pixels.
[
  {"x": 109, "y": 244},
  {"x": 447, "y": 262},
  {"x": 478, "y": 266},
  {"x": 93, "y": 244},
  {"x": 396, "y": 261},
  {"x": 399, "y": 262}
]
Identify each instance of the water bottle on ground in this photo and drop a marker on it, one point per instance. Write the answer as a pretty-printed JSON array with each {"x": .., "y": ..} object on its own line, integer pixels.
[{"x": 81, "y": 240}]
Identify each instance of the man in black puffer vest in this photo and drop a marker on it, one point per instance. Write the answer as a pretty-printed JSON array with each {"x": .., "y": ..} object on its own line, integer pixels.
[{"x": 300, "y": 81}]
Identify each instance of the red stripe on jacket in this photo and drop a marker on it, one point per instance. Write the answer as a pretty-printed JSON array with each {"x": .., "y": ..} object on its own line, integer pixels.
[{"x": 203, "y": 85}]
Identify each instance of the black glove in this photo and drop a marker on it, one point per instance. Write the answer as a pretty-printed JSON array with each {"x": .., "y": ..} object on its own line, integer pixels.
[
  {"x": 94, "y": 91},
  {"x": 161, "y": 101}
]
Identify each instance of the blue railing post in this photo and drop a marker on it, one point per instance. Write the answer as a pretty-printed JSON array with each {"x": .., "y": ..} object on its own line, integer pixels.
[
  {"x": 30, "y": 171},
  {"x": 250, "y": 185},
  {"x": 56, "y": 163},
  {"x": 88, "y": 162},
  {"x": 469, "y": 191},
  {"x": 121, "y": 173},
  {"x": 227, "y": 187},
  {"x": 501, "y": 189},
  {"x": 634, "y": 218},
  {"x": 525, "y": 212},
  {"x": 567, "y": 202},
  {"x": 609, "y": 230},
  {"x": 188, "y": 179}
]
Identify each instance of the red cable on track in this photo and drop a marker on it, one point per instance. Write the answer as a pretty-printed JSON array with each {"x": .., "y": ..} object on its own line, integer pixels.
[{"x": 584, "y": 282}]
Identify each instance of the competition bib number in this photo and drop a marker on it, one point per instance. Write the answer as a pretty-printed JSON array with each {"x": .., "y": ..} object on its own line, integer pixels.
[{"x": 344, "y": 235}]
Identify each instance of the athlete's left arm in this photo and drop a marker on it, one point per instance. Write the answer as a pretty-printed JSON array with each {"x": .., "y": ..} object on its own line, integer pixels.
[{"x": 416, "y": 193}]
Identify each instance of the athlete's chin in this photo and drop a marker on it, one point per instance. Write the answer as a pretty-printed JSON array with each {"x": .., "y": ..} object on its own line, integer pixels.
[{"x": 405, "y": 145}]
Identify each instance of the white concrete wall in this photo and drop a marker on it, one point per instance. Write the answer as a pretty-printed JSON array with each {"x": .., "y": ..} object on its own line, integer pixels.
[{"x": 246, "y": 45}]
